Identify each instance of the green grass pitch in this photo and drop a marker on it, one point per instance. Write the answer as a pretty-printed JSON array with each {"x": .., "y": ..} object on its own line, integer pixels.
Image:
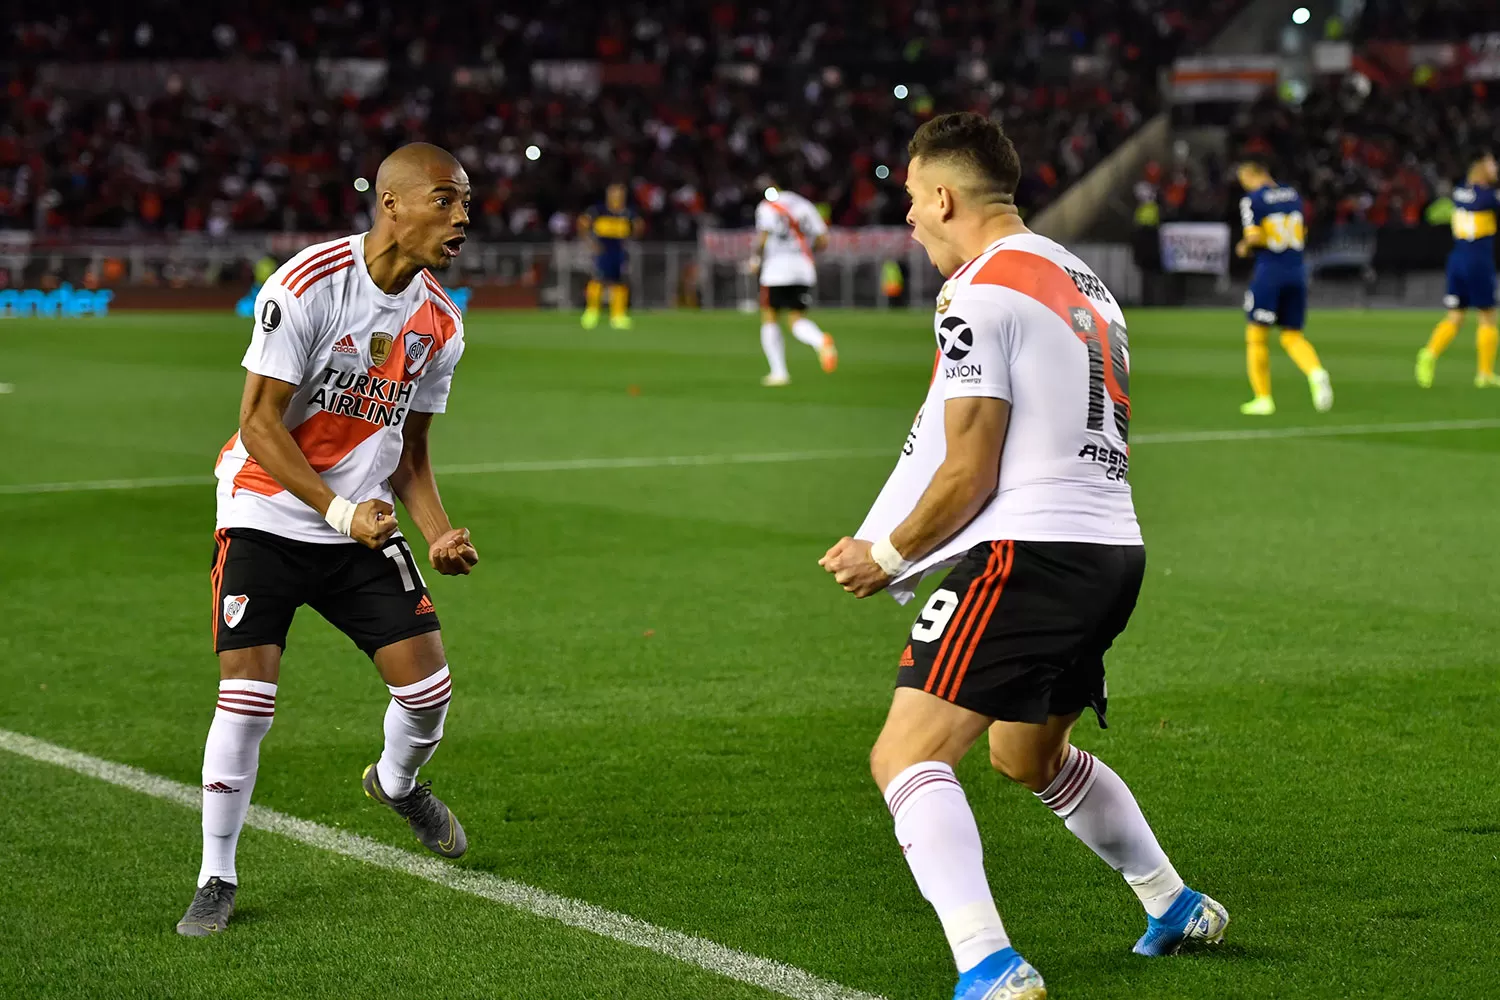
[{"x": 663, "y": 707}]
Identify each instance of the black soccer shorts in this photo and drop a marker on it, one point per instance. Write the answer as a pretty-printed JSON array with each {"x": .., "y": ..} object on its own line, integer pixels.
[
  {"x": 1018, "y": 630},
  {"x": 374, "y": 596},
  {"x": 782, "y": 297}
]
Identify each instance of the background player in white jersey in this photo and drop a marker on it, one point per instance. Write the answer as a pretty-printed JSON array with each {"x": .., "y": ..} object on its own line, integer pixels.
[
  {"x": 1047, "y": 559},
  {"x": 352, "y": 353},
  {"x": 789, "y": 231}
]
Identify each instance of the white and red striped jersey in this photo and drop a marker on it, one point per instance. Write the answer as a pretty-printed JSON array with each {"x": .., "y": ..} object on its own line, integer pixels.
[
  {"x": 361, "y": 361},
  {"x": 1027, "y": 322},
  {"x": 791, "y": 224}
]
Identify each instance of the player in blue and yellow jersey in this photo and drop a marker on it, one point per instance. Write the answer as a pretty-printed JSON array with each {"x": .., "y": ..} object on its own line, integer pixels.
[
  {"x": 1471, "y": 274},
  {"x": 1275, "y": 232},
  {"x": 609, "y": 226}
]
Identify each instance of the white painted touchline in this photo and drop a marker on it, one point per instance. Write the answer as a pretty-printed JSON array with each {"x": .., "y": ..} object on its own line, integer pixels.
[
  {"x": 541, "y": 465},
  {"x": 1325, "y": 430},
  {"x": 773, "y": 976},
  {"x": 780, "y": 457}
]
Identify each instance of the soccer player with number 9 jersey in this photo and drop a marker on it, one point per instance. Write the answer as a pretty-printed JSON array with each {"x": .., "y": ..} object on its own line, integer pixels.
[
  {"x": 1015, "y": 478},
  {"x": 1276, "y": 232}
]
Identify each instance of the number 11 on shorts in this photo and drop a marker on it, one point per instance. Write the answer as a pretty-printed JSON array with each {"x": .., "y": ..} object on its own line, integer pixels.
[{"x": 398, "y": 553}]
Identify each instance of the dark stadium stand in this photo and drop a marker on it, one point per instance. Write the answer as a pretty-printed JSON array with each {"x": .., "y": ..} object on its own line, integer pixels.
[{"x": 690, "y": 102}]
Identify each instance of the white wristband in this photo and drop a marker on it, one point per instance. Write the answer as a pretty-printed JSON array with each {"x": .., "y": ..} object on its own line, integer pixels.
[
  {"x": 340, "y": 516},
  {"x": 888, "y": 559}
]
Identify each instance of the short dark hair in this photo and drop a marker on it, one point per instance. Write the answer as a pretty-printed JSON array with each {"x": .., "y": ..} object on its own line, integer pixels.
[{"x": 973, "y": 141}]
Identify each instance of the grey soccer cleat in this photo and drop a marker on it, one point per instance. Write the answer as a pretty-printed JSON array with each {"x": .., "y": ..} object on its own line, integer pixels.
[
  {"x": 432, "y": 821},
  {"x": 211, "y": 908}
]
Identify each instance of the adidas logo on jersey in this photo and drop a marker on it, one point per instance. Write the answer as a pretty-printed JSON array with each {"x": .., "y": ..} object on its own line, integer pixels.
[
  {"x": 907, "y": 660},
  {"x": 424, "y": 606},
  {"x": 345, "y": 345},
  {"x": 220, "y": 787}
]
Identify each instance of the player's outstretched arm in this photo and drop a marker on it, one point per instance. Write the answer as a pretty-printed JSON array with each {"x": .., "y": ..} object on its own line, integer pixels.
[
  {"x": 264, "y": 434},
  {"x": 449, "y": 548},
  {"x": 974, "y": 428}
]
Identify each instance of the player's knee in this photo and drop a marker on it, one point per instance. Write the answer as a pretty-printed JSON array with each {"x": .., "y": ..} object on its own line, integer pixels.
[
  {"x": 890, "y": 756},
  {"x": 1257, "y": 335},
  {"x": 1289, "y": 337},
  {"x": 767, "y": 314},
  {"x": 255, "y": 663},
  {"x": 883, "y": 765}
]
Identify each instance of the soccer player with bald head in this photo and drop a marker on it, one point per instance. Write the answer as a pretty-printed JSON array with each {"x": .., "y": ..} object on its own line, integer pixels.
[
  {"x": 351, "y": 355},
  {"x": 1014, "y": 479}
]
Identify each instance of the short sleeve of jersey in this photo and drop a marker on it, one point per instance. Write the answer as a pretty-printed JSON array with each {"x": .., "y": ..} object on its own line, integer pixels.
[
  {"x": 976, "y": 340},
  {"x": 765, "y": 218},
  {"x": 432, "y": 394},
  {"x": 282, "y": 339},
  {"x": 812, "y": 222},
  {"x": 1247, "y": 213}
]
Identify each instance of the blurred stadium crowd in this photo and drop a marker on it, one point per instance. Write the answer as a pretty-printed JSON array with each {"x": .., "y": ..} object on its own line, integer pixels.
[
  {"x": 698, "y": 103},
  {"x": 1359, "y": 154}
]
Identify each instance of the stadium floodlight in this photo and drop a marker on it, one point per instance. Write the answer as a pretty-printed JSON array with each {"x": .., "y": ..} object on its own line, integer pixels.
[
  {"x": 533, "y": 152},
  {"x": 882, "y": 172},
  {"x": 772, "y": 194},
  {"x": 1301, "y": 15},
  {"x": 901, "y": 91},
  {"x": 361, "y": 185}
]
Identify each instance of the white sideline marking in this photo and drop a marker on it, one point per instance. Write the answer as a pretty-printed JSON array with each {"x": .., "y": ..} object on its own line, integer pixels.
[
  {"x": 776, "y": 977},
  {"x": 1329, "y": 430},
  {"x": 779, "y": 457},
  {"x": 544, "y": 465}
]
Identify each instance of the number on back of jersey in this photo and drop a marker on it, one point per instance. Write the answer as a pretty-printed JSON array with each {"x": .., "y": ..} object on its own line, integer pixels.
[{"x": 1109, "y": 371}]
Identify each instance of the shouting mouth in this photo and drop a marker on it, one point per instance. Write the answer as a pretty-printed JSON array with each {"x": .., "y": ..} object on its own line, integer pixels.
[{"x": 451, "y": 247}]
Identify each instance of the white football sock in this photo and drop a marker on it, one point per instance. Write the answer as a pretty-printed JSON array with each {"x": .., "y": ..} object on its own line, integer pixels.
[
  {"x": 808, "y": 332},
  {"x": 231, "y": 756},
  {"x": 1097, "y": 806},
  {"x": 937, "y": 833},
  {"x": 775, "y": 348},
  {"x": 413, "y": 729}
]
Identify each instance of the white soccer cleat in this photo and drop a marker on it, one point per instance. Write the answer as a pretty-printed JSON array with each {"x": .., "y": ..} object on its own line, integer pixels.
[
  {"x": 771, "y": 381},
  {"x": 1322, "y": 390}
]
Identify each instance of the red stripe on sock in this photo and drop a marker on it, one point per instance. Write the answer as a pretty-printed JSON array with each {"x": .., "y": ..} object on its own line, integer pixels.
[
  {"x": 269, "y": 699},
  {"x": 917, "y": 781},
  {"x": 436, "y": 683},
  {"x": 1080, "y": 778},
  {"x": 241, "y": 711},
  {"x": 232, "y": 700},
  {"x": 425, "y": 700},
  {"x": 1064, "y": 777}
]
